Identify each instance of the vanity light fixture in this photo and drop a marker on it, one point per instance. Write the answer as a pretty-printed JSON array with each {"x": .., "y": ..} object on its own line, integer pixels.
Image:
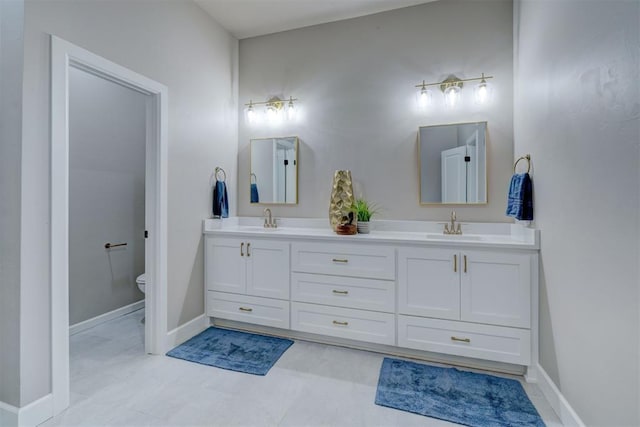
[
  {"x": 274, "y": 109},
  {"x": 451, "y": 88}
]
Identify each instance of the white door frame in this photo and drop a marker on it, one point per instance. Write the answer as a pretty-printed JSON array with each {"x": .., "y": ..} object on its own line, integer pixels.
[{"x": 63, "y": 56}]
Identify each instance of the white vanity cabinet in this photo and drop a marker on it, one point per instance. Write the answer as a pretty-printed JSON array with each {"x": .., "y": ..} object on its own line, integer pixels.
[
  {"x": 474, "y": 296},
  {"x": 248, "y": 280},
  {"x": 344, "y": 290},
  {"x": 473, "y": 302}
]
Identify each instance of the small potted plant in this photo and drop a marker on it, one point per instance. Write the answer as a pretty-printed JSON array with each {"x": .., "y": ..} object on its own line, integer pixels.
[{"x": 364, "y": 211}]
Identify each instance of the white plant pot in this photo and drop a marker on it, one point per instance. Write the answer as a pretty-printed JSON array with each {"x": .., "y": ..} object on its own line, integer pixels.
[{"x": 363, "y": 227}]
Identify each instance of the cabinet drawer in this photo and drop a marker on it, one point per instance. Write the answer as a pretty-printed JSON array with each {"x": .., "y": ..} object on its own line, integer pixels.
[
  {"x": 243, "y": 308},
  {"x": 377, "y": 262},
  {"x": 509, "y": 345},
  {"x": 348, "y": 292},
  {"x": 343, "y": 323}
]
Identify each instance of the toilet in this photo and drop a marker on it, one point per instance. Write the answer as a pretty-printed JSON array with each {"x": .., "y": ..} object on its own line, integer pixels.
[{"x": 141, "y": 281}]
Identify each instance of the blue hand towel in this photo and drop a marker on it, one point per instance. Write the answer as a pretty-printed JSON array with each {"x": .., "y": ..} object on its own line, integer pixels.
[
  {"x": 255, "y": 198},
  {"x": 220, "y": 200},
  {"x": 520, "y": 197}
]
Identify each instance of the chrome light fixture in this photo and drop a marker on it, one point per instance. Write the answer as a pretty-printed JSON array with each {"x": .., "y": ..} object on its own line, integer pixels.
[
  {"x": 451, "y": 88},
  {"x": 274, "y": 110}
]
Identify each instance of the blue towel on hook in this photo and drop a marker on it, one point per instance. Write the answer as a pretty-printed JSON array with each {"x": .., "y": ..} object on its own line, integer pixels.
[
  {"x": 220, "y": 200},
  {"x": 255, "y": 198},
  {"x": 520, "y": 197}
]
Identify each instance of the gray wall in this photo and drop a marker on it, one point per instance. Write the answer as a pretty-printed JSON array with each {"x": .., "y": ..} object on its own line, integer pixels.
[
  {"x": 107, "y": 131},
  {"x": 11, "y": 52},
  {"x": 174, "y": 43},
  {"x": 577, "y": 112},
  {"x": 355, "y": 81}
]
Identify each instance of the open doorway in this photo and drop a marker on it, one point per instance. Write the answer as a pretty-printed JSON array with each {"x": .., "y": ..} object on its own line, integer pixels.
[
  {"x": 107, "y": 127},
  {"x": 69, "y": 60}
]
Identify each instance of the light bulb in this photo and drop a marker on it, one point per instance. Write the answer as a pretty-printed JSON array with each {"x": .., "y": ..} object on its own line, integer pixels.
[
  {"x": 251, "y": 114},
  {"x": 482, "y": 92},
  {"x": 291, "y": 111},
  {"x": 451, "y": 96},
  {"x": 424, "y": 97},
  {"x": 272, "y": 113}
]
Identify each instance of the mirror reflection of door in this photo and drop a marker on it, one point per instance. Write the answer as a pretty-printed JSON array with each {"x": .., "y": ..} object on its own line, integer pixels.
[
  {"x": 274, "y": 170},
  {"x": 453, "y": 164},
  {"x": 454, "y": 175}
]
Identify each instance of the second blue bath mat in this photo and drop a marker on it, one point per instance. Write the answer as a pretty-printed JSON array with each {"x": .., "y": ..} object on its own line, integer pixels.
[
  {"x": 233, "y": 350},
  {"x": 467, "y": 398}
]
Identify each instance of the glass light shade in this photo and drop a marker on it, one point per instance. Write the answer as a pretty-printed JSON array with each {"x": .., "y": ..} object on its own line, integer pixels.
[
  {"x": 482, "y": 93},
  {"x": 451, "y": 96},
  {"x": 425, "y": 98},
  {"x": 291, "y": 111},
  {"x": 272, "y": 113},
  {"x": 251, "y": 114}
]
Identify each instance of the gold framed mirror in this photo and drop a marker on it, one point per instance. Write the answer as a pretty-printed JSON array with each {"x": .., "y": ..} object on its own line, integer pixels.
[
  {"x": 273, "y": 175},
  {"x": 453, "y": 164}
]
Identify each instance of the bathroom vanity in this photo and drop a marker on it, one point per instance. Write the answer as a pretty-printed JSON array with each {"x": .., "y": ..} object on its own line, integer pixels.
[{"x": 405, "y": 289}]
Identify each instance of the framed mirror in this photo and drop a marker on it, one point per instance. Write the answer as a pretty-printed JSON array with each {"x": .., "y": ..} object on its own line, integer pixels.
[
  {"x": 453, "y": 163},
  {"x": 274, "y": 171}
]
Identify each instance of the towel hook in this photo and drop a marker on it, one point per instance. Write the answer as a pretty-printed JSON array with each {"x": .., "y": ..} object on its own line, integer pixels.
[
  {"x": 526, "y": 157},
  {"x": 254, "y": 178},
  {"x": 224, "y": 174}
]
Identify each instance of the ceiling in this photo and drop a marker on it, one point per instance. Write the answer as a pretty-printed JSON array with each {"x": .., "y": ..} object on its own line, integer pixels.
[{"x": 251, "y": 18}]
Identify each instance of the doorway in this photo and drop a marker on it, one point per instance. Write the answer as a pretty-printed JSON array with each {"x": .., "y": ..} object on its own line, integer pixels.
[
  {"x": 67, "y": 58},
  {"x": 107, "y": 126}
]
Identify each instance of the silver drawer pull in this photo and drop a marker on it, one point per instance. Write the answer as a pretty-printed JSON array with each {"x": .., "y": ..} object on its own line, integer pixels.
[
  {"x": 340, "y": 260},
  {"x": 460, "y": 339},
  {"x": 335, "y": 291},
  {"x": 245, "y": 309},
  {"x": 336, "y": 322}
]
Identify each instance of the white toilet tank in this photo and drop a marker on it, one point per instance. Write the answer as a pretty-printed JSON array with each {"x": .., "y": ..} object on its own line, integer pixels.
[{"x": 141, "y": 281}]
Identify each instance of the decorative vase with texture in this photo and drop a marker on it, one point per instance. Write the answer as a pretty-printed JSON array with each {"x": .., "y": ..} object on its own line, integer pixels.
[
  {"x": 364, "y": 227},
  {"x": 342, "y": 199}
]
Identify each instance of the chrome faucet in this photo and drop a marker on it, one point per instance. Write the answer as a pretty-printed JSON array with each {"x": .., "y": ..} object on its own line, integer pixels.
[
  {"x": 269, "y": 222},
  {"x": 453, "y": 229}
]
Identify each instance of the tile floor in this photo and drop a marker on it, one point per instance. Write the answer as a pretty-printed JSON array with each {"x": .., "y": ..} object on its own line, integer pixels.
[{"x": 113, "y": 383}]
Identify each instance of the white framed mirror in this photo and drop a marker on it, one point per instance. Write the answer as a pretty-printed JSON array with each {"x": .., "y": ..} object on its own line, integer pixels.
[
  {"x": 453, "y": 164},
  {"x": 273, "y": 178}
]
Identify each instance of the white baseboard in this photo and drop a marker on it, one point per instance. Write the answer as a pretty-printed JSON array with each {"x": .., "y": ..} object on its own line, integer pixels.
[
  {"x": 8, "y": 415},
  {"x": 95, "y": 321},
  {"x": 188, "y": 330},
  {"x": 28, "y": 416},
  {"x": 558, "y": 402}
]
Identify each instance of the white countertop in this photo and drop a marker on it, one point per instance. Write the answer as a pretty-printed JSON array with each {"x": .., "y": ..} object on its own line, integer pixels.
[{"x": 493, "y": 235}]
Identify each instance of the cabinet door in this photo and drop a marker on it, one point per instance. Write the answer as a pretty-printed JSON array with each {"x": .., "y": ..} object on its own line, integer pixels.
[
  {"x": 225, "y": 264},
  {"x": 429, "y": 282},
  {"x": 496, "y": 288},
  {"x": 268, "y": 269}
]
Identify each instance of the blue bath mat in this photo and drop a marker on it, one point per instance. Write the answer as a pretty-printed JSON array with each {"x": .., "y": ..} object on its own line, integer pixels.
[
  {"x": 467, "y": 398},
  {"x": 233, "y": 350}
]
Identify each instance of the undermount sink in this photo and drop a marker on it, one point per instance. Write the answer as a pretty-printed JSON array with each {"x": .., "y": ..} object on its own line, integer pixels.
[
  {"x": 258, "y": 229},
  {"x": 442, "y": 236}
]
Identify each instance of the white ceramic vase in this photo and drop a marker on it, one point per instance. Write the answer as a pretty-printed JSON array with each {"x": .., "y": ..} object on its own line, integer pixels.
[{"x": 363, "y": 227}]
